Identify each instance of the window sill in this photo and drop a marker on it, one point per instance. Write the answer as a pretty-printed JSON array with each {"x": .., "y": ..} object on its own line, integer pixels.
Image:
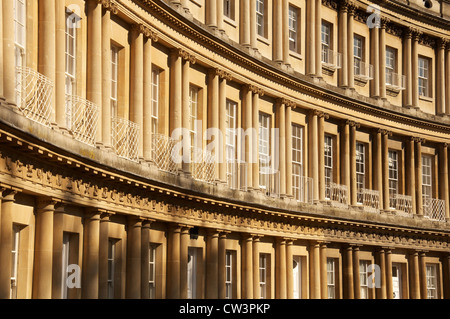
[
  {"x": 263, "y": 40},
  {"x": 295, "y": 55},
  {"x": 230, "y": 21},
  {"x": 426, "y": 98}
]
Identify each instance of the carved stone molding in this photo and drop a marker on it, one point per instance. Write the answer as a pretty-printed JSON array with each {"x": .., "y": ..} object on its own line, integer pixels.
[
  {"x": 185, "y": 55},
  {"x": 109, "y": 5},
  {"x": 223, "y": 74},
  {"x": 255, "y": 89}
]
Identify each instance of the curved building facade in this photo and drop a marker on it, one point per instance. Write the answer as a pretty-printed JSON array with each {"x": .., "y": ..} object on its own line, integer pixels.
[{"x": 288, "y": 149}]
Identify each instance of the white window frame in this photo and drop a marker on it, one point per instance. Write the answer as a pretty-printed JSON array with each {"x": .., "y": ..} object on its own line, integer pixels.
[
  {"x": 114, "y": 80},
  {"x": 229, "y": 9},
  {"x": 391, "y": 58},
  {"x": 294, "y": 14},
  {"x": 152, "y": 271},
  {"x": 297, "y": 160},
  {"x": 364, "y": 279},
  {"x": 331, "y": 278},
  {"x": 264, "y": 149},
  {"x": 229, "y": 275},
  {"x": 20, "y": 31},
  {"x": 261, "y": 17},
  {"x": 111, "y": 267},
  {"x": 193, "y": 113},
  {"x": 358, "y": 53},
  {"x": 15, "y": 261},
  {"x": 393, "y": 176},
  {"x": 156, "y": 74},
  {"x": 360, "y": 169},
  {"x": 431, "y": 277},
  {"x": 231, "y": 143},
  {"x": 424, "y": 76},
  {"x": 70, "y": 67},
  {"x": 326, "y": 40},
  {"x": 328, "y": 162},
  {"x": 427, "y": 177},
  {"x": 263, "y": 275}
]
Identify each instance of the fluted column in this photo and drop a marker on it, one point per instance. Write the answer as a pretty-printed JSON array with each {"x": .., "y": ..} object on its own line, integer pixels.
[
  {"x": 103, "y": 255},
  {"x": 411, "y": 172},
  {"x": 281, "y": 124},
  {"x": 255, "y": 270},
  {"x": 91, "y": 255},
  {"x": 288, "y": 153},
  {"x": 310, "y": 37},
  {"x": 407, "y": 67},
  {"x": 289, "y": 270},
  {"x": 323, "y": 271},
  {"x": 356, "y": 281},
  {"x": 212, "y": 265},
  {"x": 346, "y": 157},
  {"x": 348, "y": 273},
  {"x": 6, "y": 237},
  {"x": 419, "y": 177},
  {"x": 343, "y": 43},
  {"x": 133, "y": 285},
  {"x": 173, "y": 262},
  {"x": 317, "y": 37},
  {"x": 280, "y": 266},
  {"x": 137, "y": 83},
  {"x": 222, "y": 262},
  {"x": 247, "y": 267},
  {"x": 389, "y": 286},
  {"x": 350, "y": 57},
  {"x": 440, "y": 79},
  {"x": 385, "y": 168},
  {"x": 43, "y": 260},
  {"x": 423, "y": 275},
  {"x": 183, "y": 257},
  {"x": 315, "y": 270},
  {"x": 415, "y": 69},
  {"x": 443, "y": 177},
  {"x": 378, "y": 166},
  {"x": 314, "y": 153},
  {"x": 382, "y": 54}
]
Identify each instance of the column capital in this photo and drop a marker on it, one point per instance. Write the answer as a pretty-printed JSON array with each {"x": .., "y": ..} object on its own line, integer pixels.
[
  {"x": 93, "y": 213},
  {"x": 45, "y": 203},
  {"x": 286, "y": 102},
  {"x": 416, "y": 34},
  {"x": 8, "y": 194},
  {"x": 445, "y": 145},
  {"x": 223, "y": 74},
  {"x": 109, "y": 5},
  {"x": 443, "y": 43},
  {"x": 418, "y": 139},
  {"x": 321, "y": 114},
  {"x": 255, "y": 89},
  {"x": 385, "y": 132},
  {"x": 145, "y": 30},
  {"x": 352, "y": 123},
  {"x": 185, "y": 55},
  {"x": 384, "y": 21}
]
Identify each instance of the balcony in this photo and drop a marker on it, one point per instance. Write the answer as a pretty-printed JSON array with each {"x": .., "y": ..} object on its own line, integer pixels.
[
  {"x": 203, "y": 166},
  {"x": 34, "y": 95},
  {"x": 331, "y": 60},
  {"x": 363, "y": 71},
  {"x": 338, "y": 195},
  {"x": 370, "y": 200},
  {"x": 237, "y": 175},
  {"x": 402, "y": 204},
  {"x": 82, "y": 119},
  {"x": 125, "y": 139},
  {"x": 303, "y": 189},
  {"x": 434, "y": 209},
  {"x": 395, "y": 82},
  {"x": 162, "y": 153}
]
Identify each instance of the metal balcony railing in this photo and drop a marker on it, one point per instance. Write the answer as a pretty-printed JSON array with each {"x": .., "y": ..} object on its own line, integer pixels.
[
  {"x": 237, "y": 175},
  {"x": 162, "y": 153},
  {"x": 363, "y": 70},
  {"x": 370, "y": 199},
  {"x": 402, "y": 204},
  {"x": 338, "y": 194},
  {"x": 331, "y": 59},
  {"x": 34, "y": 95},
  {"x": 434, "y": 209},
  {"x": 270, "y": 182},
  {"x": 82, "y": 116},
  {"x": 203, "y": 166},
  {"x": 303, "y": 190},
  {"x": 395, "y": 81},
  {"x": 125, "y": 138}
]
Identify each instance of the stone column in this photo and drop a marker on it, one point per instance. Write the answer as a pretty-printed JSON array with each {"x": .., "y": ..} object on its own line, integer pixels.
[
  {"x": 60, "y": 66},
  {"x": 375, "y": 59},
  {"x": 91, "y": 255},
  {"x": 288, "y": 137},
  {"x": 6, "y": 236},
  {"x": 94, "y": 59},
  {"x": 248, "y": 145},
  {"x": 419, "y": 199},
  {"x": 423, "y": 275},
  {"x": 381, "y": 293},
  {"x": 321, "y": 162},
  {"x": 280, "y": 266},
  {"x": 343, "y": 43},
  {"x": 255, "y": 140},
  {"x": 314, "y": 153},
  {"x": 212, "y": 265},
  {"x": 183, "y": 255},
  {"x": 43, "y": 253},
  {"x": 382, "y": 54},
  {"x": 415, "y": 68},
  {"x": 103, "y": 255},
  {"x": 388, "y": 269},
  {"x": 186, "y": 110},
  {"x": 356, "y": 282},
  {"x": 310, "y": 37},
  {"x": 245, "y": 31},
  {"x": 350, "y": 57},
  {"x": 323, "y": 271},
  {"x": 133, "y": 285},
  {"x": 255, "y": 271},
  {"x": 443, "y": 177},
  {"x": 278, "y": 31},
  {"x": 137, "y": 83},
  {"x": 173, "y": 262},
  {"x": 414, "y": 275},
  {"x": 377, "y": 165},
  {"x": 222, "y": 262},
  {"x": 385, "y": 168},
  {"x": 285, "y": 26},
  {"x": 348, "y": 273},
  {"x": 411, "y": 172},
  {"x": 247, "y": 267},
  {"x": 281, "y": 124},
  {"x": 175, "y": 109},
  {"x": 219, "y": 13},
  {"x": 213, "y": 114},
  {"x": 211, "y": 13},
  {"x": 407, "y": 65},
  {"x": 318, "y": 38},
  {"x": 253, "y": 29},
  {"x": 289, "y": 270},
  {"x": 106, "y": 79},
  {"x": 447, "y": 79},
  {"x": 440, "y": 78},
  {"x": 315, "y": 270}
]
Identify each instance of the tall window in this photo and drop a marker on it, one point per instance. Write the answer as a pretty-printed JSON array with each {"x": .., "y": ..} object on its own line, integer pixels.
[
  {"x": 114, "y": 79},
  {"x": 231, "y": 144},
  {"x": 424, "y": 76},
  {"x": 390, "y": 64},
  {"x": 228, "y": 275},
  {"x": 228, "y": 9},
  {"x": 152, "y": 271},
  {"x": 297, "y": 277},
  {"x": 431, "y": 282},
  {"x": 260, "y": 17},
  {"x": 326, "y": 41},
  {"x": 358, "y": 44},
  {"x": 393, "y": 177},
  {"x": 155, "y": 99},
  {"x": 193, "y": 109},
  {"x": 427, "y": 180},
  {"x": 192, "y": 273},
  {"x": 293, "y": 29},
  {"x": 360, "y": 169},
  {"x": 264, "y": 150},
  {"x": 328, "y": 164},
  {"x": 70, "y": 74},
  {"x": 297, "y": 161},
  {"x": 111, "y": 267},
  {"x": 263, "y": 275},
  {"x": 19, "y": 7},
  {"x": 331, "y": 278},
  {"x": 14, "y": 261},
  {"x": 364, "y": 278}
]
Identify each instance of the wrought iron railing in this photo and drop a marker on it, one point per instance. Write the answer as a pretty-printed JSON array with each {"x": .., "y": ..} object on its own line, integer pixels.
[
  {"x": 34, "y": 95},
  {"x": 83, "y": 117},
  {"x": 237, "y": 175},
  {"x": 395, "y": 81},
  {"x": 363, "y": 70},
  {"x": 303, "y": 190},
  {"x": 370, "y": 200},
  {"x": 331, "y": 58},
  {"x": 203, "y": 166},
  {"x": 434, "y": 209},
  {"x": 402, "y": 204},
  {"x": 125, "y": 138},
  {"x": 162, "y": 153},
  {"x": 338, "y": 195}
]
